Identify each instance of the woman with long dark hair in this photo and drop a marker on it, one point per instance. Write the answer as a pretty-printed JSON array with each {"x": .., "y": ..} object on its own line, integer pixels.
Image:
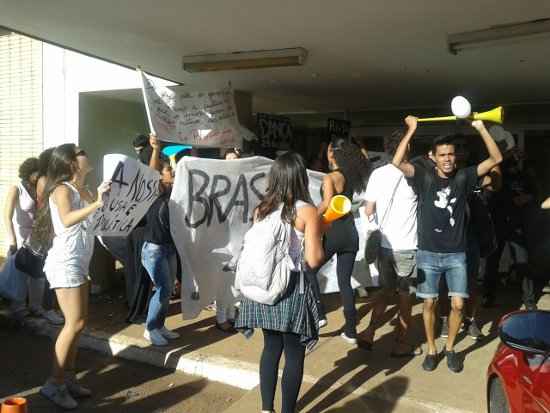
[
  {"x": 291, "y": 324},
  {"x": 67, "y": 264},
  {"x": 52, "y": 315},
  {"x": 349, "y": 173}
]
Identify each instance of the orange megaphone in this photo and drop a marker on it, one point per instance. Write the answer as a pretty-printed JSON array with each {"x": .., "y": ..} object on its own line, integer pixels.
[
  {"x": 339, "y": 206},
  {"x": 14, "y": 405}
]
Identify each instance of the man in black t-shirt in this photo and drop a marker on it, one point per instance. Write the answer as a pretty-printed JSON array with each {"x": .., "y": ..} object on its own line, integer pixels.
[{"x": 443, "y": 192}]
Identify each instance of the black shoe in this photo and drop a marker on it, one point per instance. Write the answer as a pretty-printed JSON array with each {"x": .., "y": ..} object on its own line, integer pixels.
[
  {"x": 430, "y": 362},
  {"x": 453, "y": 361}
]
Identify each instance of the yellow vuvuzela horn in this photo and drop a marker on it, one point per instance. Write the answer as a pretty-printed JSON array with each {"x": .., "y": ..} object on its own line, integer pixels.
[
  {"x": 339, "y": 206},
  {"x": 495, "y": 115}
]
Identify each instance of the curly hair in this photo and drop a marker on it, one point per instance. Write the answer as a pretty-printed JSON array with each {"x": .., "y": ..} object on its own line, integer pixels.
[
  {"x": 27, "y": 168},
  {"x": 352, "y": 163}
]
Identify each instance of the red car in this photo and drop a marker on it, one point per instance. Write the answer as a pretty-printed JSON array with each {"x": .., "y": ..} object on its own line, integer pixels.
[{"x": 518, "y": 378}]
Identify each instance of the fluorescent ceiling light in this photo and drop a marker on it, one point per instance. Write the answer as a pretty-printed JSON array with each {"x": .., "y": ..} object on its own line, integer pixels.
[
  {"x": 245, "y": 60},
  {"x": 468, "y": 40}
]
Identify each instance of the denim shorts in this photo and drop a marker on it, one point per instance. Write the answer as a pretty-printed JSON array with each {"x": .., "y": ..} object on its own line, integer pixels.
[
  {"x": 397, "y": 270},
  {"x": 432, "y": 265}
]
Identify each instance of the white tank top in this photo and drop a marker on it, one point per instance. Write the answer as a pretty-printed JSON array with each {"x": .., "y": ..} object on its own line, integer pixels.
[
  {"x": 296, "y": 242},
  {"x": 23, "y": 216},
  {"x": 76, "y": 203},
  {"x": 72, "y": 246}
]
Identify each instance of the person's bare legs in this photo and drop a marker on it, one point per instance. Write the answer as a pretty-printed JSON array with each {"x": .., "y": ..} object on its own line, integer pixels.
[
  {"x": 455, "y": 321},
  {"x": 404, "y": 323},
  {"x": 379, "y": 308},
  {"x": 85, "y": 295},
  {"x": 428, "y": 314},
  {"x": 74, "y": 305}
]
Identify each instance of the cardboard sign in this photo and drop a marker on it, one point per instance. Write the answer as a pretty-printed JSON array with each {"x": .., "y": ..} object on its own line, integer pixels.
[
  {"x": 274, "y": 131},
  {"x": 134, "y": 188},
  {"x": 338, "y": 128}
]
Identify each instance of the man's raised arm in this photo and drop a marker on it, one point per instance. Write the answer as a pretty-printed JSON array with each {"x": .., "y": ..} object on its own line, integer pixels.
[
  {"x": 400, "y": 159},
  {"x": 495, "y": 157}
]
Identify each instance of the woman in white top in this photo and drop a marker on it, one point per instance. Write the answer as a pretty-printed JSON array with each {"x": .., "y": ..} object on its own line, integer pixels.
[
  {"x": 66, "y": 267},
  {"x": 19, "y": 210}
]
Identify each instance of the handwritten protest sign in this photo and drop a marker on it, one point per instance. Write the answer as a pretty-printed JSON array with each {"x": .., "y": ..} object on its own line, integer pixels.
[
  {"x": 338, "y": 128},
  {"x": 211, "y": 209},
  {"x": 134, "y": 188},
  {"x": 274, "y": 131},
  {"x": 193, "y": 118}
]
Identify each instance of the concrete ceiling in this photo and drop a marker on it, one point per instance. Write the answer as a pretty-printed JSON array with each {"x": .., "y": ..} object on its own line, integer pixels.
[{"x": 363, "y": 54}]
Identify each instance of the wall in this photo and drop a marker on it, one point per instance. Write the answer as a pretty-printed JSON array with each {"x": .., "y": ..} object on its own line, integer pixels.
[
  {"x": 66, "y": 75},
  {"x": 108, "y": 126},
  {"x": 20, "y": 110}
]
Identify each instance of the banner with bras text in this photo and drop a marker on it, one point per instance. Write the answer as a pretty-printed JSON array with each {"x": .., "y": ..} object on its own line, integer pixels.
[{"x": 211, "y": 209}]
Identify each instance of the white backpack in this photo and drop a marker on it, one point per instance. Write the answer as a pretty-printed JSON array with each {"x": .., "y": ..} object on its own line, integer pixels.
[{"x": 264, "y": 265}]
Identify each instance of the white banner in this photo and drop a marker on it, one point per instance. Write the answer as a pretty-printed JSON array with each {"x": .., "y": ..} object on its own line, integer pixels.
[
  {"x": 193, "y": 118},
  {"x": 211, "y": 209},
  {"x": 134, "y": 188}
]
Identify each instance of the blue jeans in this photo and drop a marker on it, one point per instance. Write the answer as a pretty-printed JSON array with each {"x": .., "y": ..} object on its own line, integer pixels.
[
  {"x": 432, "y": 265},
  {"x": 156, "y": 260}
]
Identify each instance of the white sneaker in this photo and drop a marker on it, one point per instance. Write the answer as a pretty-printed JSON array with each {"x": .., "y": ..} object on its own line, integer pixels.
[
  {"x": 323, "y": 323},
  {"x": 58, "y": 394},
  {"x": 155, "y": 337},
  {"x": 349, "y": 340},
  {"x": 54, "y": 317},
  {"x": 169, "y": 334}
]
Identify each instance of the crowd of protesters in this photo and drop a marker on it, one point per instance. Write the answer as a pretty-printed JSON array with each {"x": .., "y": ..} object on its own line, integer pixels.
[{"x": 438, "y": 216}]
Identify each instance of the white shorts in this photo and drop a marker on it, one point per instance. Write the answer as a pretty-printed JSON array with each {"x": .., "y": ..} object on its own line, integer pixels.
[{"x": 64, "y": 280}]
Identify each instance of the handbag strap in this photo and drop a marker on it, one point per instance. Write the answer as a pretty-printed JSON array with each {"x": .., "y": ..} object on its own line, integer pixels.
[{"x": 391, "y": 202}]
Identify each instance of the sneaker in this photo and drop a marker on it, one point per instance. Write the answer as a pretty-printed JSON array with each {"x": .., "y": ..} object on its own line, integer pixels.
[
  {"x": 155, "y": 337},
  {"x": 349, "y": 340},
  {"x": 323, "y": 323},
  {"x": 430, "y": 362},
  {"x": 169, "y": 334},
  {"x": 453, "y": 361},
  {"x": 444, "y": 327},
  {"x": 76, "y": 389},
  {"x": 531, "y": 307},
  {"x": 58, "y": 394},
  {"x": 473, "y": 330},
  {"x": 54, "y": 317}
]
